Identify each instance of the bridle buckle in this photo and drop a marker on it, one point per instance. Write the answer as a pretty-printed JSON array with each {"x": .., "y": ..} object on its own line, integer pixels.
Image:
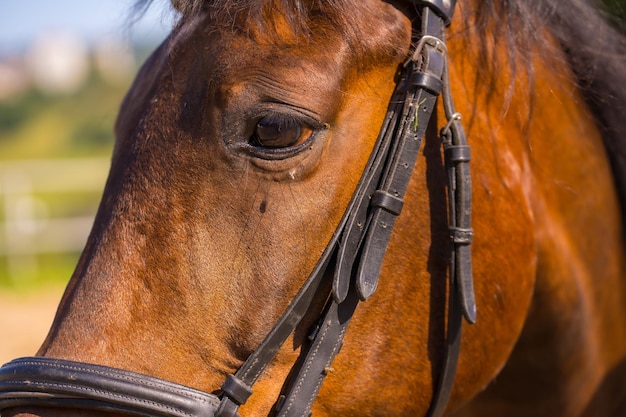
[{"x": 427, "y": 40}]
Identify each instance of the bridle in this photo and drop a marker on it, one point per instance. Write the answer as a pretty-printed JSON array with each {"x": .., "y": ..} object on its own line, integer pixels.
[
  {"x": 356, "y": 252},
  {"x": 353, "y": 259}
]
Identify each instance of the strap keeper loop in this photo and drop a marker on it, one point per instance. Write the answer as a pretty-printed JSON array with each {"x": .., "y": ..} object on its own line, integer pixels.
[
  {"x": 235, "y": 389},
  {"x": 428, "y": 82},
  {"x": 461, "y": 236},
  {"x": 458, "y": 154},
  {"x": 387, "y": 202}
]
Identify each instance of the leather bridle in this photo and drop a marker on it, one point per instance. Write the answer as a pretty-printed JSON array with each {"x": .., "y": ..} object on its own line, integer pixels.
[{"x": 353, "y": 258}]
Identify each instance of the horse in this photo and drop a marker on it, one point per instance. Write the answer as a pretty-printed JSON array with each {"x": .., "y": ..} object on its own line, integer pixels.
[{"x": 238, "y": 150}]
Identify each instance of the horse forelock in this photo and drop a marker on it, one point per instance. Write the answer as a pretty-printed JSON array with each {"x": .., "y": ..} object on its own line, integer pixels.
[
  {"x": 304, "y": 19},
  {"x": 233, "y": 13},
  {"x": 577, "y": 25}
]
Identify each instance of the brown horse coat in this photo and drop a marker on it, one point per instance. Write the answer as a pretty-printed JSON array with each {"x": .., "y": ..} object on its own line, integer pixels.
[{"x": 203, "y": 238}]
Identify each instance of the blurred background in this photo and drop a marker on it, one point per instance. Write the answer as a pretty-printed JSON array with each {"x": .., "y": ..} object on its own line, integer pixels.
[{"x": 65, "y": 66}]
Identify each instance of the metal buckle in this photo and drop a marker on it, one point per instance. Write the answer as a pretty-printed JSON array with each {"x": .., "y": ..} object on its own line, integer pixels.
[
  {"x": 429, "y": 40},
  {"x": 453, "y": 118}
]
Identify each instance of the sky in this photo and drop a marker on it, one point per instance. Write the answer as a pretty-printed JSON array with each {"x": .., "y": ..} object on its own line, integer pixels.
[{"x": 21, "y": 21}]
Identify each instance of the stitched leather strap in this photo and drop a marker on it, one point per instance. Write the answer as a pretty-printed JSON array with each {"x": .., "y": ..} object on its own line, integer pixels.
[
  {"x": 419, "y": 107},
  {"x": 51, "y": 382},
  {"x": 310, "y": 372}
]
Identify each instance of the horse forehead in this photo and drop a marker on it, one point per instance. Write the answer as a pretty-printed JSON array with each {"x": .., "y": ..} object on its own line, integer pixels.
[
  {"x": 323, "y": 47},
  {"x": 235, "y": 66},
  {"x": 284, "y": 56}
]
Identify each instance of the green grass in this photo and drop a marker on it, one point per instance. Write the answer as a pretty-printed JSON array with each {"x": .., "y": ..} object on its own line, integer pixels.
[
  {"x": 81, "y": 124},
  {"x": 48, "y": 270}
]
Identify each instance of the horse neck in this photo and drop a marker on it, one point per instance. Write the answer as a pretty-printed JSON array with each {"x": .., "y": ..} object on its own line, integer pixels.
[{"x": 543, "y": 181}]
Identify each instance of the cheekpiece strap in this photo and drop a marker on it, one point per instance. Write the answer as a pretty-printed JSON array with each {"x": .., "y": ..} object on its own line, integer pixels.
[{"x": 443, "y": 8}]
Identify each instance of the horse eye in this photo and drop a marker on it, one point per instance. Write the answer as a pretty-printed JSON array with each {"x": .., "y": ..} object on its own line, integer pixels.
[{"x": 278, "y": 132}]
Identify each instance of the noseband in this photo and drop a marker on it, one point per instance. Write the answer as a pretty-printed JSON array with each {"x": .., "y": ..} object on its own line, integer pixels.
[{"x": 353, "y": 259}]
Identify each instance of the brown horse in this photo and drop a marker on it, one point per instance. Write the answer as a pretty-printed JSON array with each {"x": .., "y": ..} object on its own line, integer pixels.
[{"x": 240, "y": 146}]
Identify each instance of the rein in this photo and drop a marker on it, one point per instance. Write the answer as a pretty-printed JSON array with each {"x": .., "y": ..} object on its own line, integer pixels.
[{"x": 352, "y": 259}]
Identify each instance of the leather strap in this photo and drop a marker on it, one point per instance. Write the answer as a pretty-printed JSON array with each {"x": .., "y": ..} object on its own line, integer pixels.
[
  {"x": 443, "y": 8},
  {"x": 48, "y": 382},
  {"x": 457, "y": 158},
  {"x": 422, "y": 94},
  {"x": 326, "y": 342}
]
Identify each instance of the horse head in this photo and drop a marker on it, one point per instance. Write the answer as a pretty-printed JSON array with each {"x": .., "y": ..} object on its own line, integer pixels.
[{"x": 239, "y": 148}]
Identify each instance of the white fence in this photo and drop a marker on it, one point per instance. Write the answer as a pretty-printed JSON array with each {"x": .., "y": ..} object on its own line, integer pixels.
[{"x": 27, "y": 228}]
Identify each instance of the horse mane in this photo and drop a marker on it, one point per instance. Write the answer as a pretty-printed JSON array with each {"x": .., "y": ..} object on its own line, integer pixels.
[{"x": 596, "y": 50}]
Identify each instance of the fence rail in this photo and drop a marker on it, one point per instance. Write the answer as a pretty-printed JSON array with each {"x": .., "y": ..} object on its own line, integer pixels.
[{"x": 27, "y": 227}]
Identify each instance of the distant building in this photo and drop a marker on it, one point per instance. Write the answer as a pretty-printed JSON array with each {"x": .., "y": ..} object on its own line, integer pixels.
[
  {"x": 14, "y": 79},
  {"x": 58, "y": 63}
]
